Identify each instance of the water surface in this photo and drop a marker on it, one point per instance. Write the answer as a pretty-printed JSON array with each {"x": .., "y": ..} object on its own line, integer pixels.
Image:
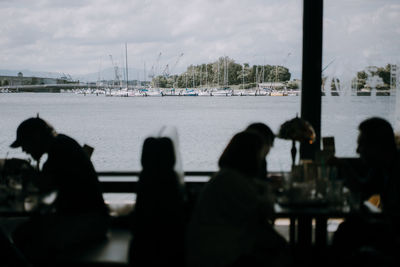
[{"x": 116, "y": 127}]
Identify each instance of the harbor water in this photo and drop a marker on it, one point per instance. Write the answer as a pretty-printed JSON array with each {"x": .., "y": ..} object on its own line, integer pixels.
[{"x": 117, "y": 126}]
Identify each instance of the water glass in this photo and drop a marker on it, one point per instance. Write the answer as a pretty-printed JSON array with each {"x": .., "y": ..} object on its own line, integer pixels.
[
  {"x": 335, "y": 193},
  {"x": 302, "y": 192}
]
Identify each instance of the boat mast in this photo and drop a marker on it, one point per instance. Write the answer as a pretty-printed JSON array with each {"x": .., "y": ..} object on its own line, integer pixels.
[
  {"x": 262, "y": 74},
  {"x": 126, "y": 65},
  {"x": 226, "y": 72},
  {"x": 206, "y": 77},
  {"x": 243, "y": 76},
  {"x": 201, "y": 76},
  {"x": 193, "y": 75},
  {"x": 99, "y": 79},
  {"x": 225, "y": 68},
  {"x": 256, "y": 78},
  {"x": 144, "y": 71},
  {"x": 218, "y": 73}
]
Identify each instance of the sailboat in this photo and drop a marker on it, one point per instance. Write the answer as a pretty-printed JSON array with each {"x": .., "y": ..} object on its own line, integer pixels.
[{"x": 226, "y": 90}]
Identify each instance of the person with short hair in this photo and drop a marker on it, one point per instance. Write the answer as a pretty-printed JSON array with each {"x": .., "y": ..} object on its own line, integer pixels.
[{"x": 78, "y": 213}]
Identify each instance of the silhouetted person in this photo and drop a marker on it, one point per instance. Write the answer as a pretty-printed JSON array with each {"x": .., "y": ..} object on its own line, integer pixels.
[
  {"x": 231, "y": 225},
  {"x": 377, "y": 148},
  {"x": 78, "y": 213},
  {"x": 268, "y": 141},
  {"x": 379, "y": 163},
  {"x": 378, "y": 152},
  {"x": 158, "y": 217}
]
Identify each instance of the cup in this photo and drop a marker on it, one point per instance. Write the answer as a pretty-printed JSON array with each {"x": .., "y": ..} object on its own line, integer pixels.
[
  {"x": 335, "y": 193},
  {"x": 301, "y": 192}
]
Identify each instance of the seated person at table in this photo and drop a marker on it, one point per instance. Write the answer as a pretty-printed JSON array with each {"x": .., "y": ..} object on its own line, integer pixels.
[
  {"x": 231, "y": 225},
  {"x": 78, "y": 213},
  {"x": 378, "y": 152},
  {"x": 268, "y": 141},
  {"x": 381, "y": 160},
  {"x": 159, "y": 216}
]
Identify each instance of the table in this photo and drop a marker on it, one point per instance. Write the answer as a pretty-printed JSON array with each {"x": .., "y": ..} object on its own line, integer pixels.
[{"x": 301, "y": 221}]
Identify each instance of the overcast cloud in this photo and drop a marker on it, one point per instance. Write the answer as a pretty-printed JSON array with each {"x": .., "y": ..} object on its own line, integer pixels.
[{"x": 77, "y": 37}]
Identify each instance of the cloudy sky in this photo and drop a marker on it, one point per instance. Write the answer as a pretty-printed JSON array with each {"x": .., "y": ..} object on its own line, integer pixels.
[{"x": 77, "y": 36}]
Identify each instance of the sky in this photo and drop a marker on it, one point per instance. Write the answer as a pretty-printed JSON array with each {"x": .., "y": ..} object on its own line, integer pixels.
[{"x": 77, "y": 37}]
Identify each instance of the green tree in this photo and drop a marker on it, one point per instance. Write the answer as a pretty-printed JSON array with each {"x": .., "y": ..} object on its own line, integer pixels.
[
  {"x": 384, "y": 73},
  {"x": 292, "y": 85},
  {"x": 213, "y": 74},
  {"x": 361, "y": 79},
  {"x": 243, "y": 75}
]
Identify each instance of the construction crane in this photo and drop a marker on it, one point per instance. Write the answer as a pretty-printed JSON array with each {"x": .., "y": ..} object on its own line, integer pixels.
[
  {"x": 167, "y": 71},
  {"x": 154, "y": 68}
]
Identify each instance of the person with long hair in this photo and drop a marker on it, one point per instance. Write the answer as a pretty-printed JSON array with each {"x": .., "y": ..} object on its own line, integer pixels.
[
  {"x": 231, "y": 223},
  {"x": 158, "y": 220}
]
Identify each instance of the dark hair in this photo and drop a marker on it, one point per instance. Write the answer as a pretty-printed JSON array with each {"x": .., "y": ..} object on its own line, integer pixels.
[
  {"x": 264, "y": 131},
  {"x": 158, "y": 153},
  {"x": 377, "y": 131},
  {"x": 243, "y": 153}
]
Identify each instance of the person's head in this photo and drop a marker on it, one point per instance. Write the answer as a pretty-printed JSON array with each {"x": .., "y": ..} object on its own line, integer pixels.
[
  {"x": 33, "y": 136},
  {"x": 265, "y": 132},
  {"x": 158, "y": 154},
  {"x": 244, "y": 153},
  {"x": 376, "y": 141}
]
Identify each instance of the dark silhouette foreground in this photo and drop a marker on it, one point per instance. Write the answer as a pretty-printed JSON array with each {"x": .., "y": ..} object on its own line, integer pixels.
[
  {"x": 231, "y": 224},
  {"x": 78, "y": 214},
  {"x": 159, "y": 215},
  {"x": 364, "y": 240}
]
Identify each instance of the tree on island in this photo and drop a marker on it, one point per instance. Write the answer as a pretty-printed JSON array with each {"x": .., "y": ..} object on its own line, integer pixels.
[
  {"x": 382, "y": 72},
  {"x": 224, "y": 71},
  {"x": 362, "y": 77}
]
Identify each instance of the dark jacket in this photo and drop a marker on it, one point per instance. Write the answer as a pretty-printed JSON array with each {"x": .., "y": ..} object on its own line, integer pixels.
[{"x": 69, "y": 171}]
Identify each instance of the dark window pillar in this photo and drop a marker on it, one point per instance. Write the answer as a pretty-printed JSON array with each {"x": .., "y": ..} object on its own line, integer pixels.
[{"x": 311, "y": 72}]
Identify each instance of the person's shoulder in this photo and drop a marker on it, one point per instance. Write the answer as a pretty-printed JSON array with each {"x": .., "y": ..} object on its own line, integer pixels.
[
  {"x": 62, "y": 138},
  {"x": 229, "y": 177},
  {"x": 64, "y": 142},
  {"x": 225, "y": 173}
]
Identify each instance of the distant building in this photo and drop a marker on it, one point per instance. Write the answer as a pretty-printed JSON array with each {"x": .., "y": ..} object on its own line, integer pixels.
[
  {"x": 298, "y": 82},
  {"x": 272, "y": 85},
  {"x": 21, "y": 80}
]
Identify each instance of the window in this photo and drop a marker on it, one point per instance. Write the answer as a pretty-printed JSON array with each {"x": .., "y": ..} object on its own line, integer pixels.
[
  {"x": 85, "y": 41},
  {"x": 360, "y": 68}
]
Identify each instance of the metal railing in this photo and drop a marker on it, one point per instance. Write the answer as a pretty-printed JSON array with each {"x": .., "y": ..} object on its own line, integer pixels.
[{"x": 126, "y": 181}]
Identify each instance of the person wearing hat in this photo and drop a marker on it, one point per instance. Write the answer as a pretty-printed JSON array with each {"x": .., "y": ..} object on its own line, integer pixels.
[{"x": 78, "y": 213}]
